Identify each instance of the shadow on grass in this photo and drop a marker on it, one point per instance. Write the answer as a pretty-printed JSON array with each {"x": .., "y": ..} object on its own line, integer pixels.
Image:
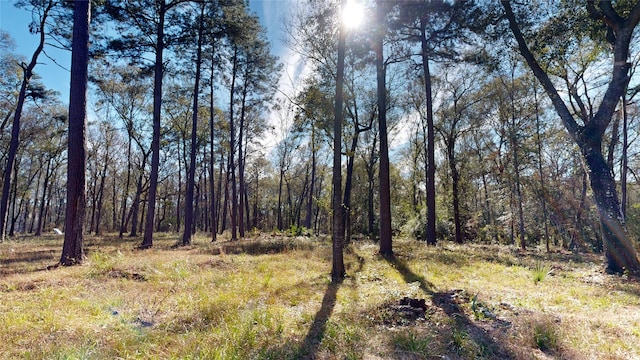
[
  {"x": 409, "y": 276},
  {"x": 262, "y": 247},
  {"x": 316, "y": 333},
  {"x": 22, "y": 262},
  {"x": 467, "y": 338},
  {"x": 513, "y": 256}
]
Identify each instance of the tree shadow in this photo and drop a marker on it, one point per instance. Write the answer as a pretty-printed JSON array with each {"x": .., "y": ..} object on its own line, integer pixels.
[
  {"x": 448, "y": 303},
  {"x": 262, "y": 247},
  {"x": 409, "y": 276},
  {"x": 313, "y": 339},
  {"x": 22, "y": 262}
]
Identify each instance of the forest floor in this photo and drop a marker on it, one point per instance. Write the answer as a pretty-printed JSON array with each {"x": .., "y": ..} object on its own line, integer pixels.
[{"x": 271, "y": 298}]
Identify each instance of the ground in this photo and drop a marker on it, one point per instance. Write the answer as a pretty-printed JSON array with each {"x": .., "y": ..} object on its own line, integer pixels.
[{"x": 271, "y": 297}]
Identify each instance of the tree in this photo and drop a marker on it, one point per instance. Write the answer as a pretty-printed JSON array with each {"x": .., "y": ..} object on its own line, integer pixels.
[
  {"x": 125, "y": 90},
  {"x": 619, "y": 251},
  {"x": 44, "y": 9},
  {"x": 73, "y": 247},
  {"x": 386, "y": 247},
  {"x": 455, "y": 122},
  {"x": 143, "y": 27},
  {"x": 436, "y": 26},
  {"x": 259, "y": 77},
  {"x": 188, "y": 214},
  {"x": 337, "y": 268}
]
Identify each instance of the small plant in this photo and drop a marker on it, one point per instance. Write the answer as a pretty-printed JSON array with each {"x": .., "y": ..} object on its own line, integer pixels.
[
  {"x": 102, "y": 263},
  {"x": 412, "y": 343},
  {"x": 540, "y": 271},
  {"x": 545, "y": 336},
  {"x": 481, "y": 310}
]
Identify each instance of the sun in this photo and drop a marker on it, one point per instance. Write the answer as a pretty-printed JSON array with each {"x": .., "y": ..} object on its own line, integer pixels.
[{"x": 352, "y": 14}]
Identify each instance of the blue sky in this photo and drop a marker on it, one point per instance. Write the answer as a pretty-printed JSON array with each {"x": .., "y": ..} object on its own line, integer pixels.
[
  {"x": 16, "y": 22},
  {"x": 55, "y": 74}
]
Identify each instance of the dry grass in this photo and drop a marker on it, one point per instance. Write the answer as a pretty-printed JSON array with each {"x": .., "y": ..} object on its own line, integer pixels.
[{"x": 271, "y": 298}]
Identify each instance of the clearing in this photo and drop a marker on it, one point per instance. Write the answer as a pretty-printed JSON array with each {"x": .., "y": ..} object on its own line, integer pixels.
[{"x": 271, "y": 298}]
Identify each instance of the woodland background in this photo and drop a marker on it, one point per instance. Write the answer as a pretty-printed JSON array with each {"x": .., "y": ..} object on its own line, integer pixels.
[{"x": 259, "y": 157}]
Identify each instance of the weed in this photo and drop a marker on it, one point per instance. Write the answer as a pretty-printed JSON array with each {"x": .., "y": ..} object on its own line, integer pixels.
[
  {"x": 481, "y": 310},
  {"x": 412, "y": 342},
  {"x": 545, "y": 336},
  {"x": 540, "y": 271},
  {"x": 103, "y": 263}
]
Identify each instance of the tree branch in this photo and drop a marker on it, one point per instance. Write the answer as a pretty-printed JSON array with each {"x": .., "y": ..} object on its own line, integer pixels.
[{"x": 540, "y": 74}]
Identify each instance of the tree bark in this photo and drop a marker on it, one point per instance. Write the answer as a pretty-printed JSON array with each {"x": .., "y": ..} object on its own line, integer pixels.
[
  {"x": 103, "y": 177},
  {"x": 73, "y": 247},
  {"x": 513, "y": 139},
  {"x": 279, "y": 222}
]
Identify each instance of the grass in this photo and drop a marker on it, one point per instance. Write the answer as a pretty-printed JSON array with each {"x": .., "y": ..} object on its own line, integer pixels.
[
  {"x": 540, "y": 271},
  {"x": 271, "y": 298}
]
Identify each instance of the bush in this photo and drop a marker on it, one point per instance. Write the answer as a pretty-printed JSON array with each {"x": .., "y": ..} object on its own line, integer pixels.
[{"x": 415, "y": 227}]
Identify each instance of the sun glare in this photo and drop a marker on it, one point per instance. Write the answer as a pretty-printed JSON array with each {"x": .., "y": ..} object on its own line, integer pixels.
[{"x": 352, "y": 13}]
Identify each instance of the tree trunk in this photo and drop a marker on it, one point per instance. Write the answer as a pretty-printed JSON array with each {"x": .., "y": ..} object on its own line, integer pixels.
[
  {"x": 73, "y": 247},
  {"x": 455, "y": 188},
  {"x": 309, "y": 212},
  {"x": 348, "y": 184},
  {"x": 279, "y": 210},
  {"x": 232, "y": 150},
  {"x": 241, "y": 184},
  {"x": 125, "y": 192},
  {"x": 158, "y": 70},
  {"x": 386, "y": 247},
  {"x": 543, "y": 190},
  {"x": 430, "y": 167},
  {"x": 188, "y": 209},
  {"x": 36, "y": 199},
  {"x": 214, "y": 216},
  {"x": 45, "y": 187},
  {"x": 516, "y": 168},
  {"x": 114, "y": 203},
  {"x": 179, "y": 200},
  {"x": 371, "y": 163},
  {"x": 337, "y": 264},
  {"x": 225, "y": 204},
  {"x": 625, "y": 160},
  {"x": 103, "y": 177},
  {"x": 135, "y": 206}
]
